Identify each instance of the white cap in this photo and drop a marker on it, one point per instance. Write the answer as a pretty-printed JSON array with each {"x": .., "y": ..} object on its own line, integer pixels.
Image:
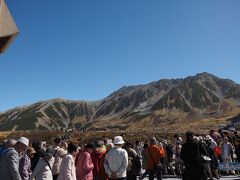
[
  {"x": 23, "y": 140},
  {"x": 118, "y": 140},
  {"x": 208, "y": 137}
]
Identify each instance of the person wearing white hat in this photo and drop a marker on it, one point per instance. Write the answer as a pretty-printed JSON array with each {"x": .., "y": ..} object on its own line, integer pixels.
[
  {"x": 24, "y": 141},
  {"x": 116, "y": 160},
  {"x": 210, "y": 139},
  {"x": 9, "y": 166},
  {"x": 212, "y": 166}
]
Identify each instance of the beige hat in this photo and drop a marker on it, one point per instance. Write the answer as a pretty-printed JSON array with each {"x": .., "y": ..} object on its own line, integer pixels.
[
  {"x": 23, "y": 140},
  {"x": 31, "y": 151}
]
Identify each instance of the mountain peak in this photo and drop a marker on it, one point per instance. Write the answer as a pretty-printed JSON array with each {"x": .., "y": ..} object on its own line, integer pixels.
[
  {"x": 205, "y": 75},
  {"x": 203, "y": 95}
]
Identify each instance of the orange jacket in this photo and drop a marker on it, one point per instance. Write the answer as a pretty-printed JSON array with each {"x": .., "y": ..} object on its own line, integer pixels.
[{"x": 156, "y": 152}]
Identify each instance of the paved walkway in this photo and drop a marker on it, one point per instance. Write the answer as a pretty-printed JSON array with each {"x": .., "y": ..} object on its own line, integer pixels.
[{"x": 222, "y": 178}]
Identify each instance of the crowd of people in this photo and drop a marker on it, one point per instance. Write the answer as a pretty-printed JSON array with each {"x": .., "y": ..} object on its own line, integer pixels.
[{"x": 197, "y": 158}]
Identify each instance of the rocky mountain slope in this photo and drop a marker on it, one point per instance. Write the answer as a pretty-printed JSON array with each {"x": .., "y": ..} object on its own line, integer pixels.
[
  {"x": 52, "y": 114},
  {"x": 195, "y": 97}
]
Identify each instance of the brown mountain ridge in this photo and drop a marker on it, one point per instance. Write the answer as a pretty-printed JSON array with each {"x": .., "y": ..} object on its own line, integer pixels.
[{"x": 168, "y": 100}]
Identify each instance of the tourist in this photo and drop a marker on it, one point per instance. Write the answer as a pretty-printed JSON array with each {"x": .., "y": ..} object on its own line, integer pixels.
[
  {"x": 43, "y": 169},
  {"x": 85, "y": 166},
  {"x": 98, "y": 159},
  {"x": 116, "y": 160},
  {"x": 226, "y": 149},
  {"x": 144, "y": 161},
  {"x": 134, "y": 163},
  {"x": 139, "y": 148},
  {"x": 37, "y": 145},
  {"x": 7, "y": 143},
  {"x": 9, "y": 166},
  {"x": 190, "y": 154},
  {"x": 213, "y": 165},
  {"x": 25, "y": 164},
  {"x": 59, "y": 153},
  {"x": 168, "y": 149},
  {"x": 179, "y": 166},
  {"x": 153, "y": 155},
  {"x": 67, "y": 168}
]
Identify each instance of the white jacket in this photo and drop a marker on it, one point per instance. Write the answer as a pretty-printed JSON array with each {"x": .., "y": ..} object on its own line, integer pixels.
[
  {"x": 42, "y": 171},
  {"x": 58, "y": 155},
  {"x": 116, "y": 161},
  {"x": 67, "y": 168}
]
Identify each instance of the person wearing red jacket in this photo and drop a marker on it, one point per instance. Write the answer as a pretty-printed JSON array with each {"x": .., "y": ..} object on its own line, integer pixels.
[{"x": 98, "y": 159}]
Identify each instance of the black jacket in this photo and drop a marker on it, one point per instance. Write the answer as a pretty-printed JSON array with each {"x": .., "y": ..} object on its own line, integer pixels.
[
  {"x": 136, "y": 163},
  {"x": 190, "y": 154}
]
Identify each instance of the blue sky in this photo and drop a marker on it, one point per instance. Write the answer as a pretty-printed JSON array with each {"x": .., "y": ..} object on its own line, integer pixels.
[{"x": 86, "y": 49}]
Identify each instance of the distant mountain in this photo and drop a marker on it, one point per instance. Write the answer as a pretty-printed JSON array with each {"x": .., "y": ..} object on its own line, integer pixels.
[
  {"x": 135, "y": 98},
  {"x": 195, "y": 97},
  {"x": 51, "y": 114}
]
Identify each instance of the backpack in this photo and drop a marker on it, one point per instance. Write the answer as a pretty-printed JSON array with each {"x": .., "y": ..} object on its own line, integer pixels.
[
  {"x": 130, "y": 164},
  {"x": 130, "y": 159}
]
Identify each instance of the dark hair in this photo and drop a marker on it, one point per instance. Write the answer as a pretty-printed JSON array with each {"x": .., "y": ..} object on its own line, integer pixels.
[
  {"x": 105, "y": 140},
  {"x": 212, "y": 131},
  {"x": 226, "y": 133},
  {"x": 57, "y": 140},
  {"x": 176, "y": 135},
  {"x": 178, "y": 143},
  {"x": 72, "y": 147},
  {"x": 99, "y": 143},
  {"x": 36, "y": 145},
  {"x": 90, "y": 146},
  {"x": 128, "y": 144},
  {"x": 189, "y": 135}
]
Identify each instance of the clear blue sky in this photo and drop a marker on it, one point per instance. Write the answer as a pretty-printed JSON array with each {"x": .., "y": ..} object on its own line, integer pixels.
[{"x": 86, "y": 49}]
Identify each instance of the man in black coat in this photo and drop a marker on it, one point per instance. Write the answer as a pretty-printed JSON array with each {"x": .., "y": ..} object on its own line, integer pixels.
[
  {"x": 191, "y": 150},
  {"x": 134, "y": 167}
]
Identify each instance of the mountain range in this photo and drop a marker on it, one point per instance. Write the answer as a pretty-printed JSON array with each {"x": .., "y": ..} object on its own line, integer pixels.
[{"x": 168, "y": 100}]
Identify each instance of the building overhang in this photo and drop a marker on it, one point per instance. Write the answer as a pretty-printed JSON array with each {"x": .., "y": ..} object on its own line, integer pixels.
[{"x": 8, "y": 28}]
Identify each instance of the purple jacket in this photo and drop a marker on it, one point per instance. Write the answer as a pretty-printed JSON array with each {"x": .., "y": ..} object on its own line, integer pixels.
[{"x": 25, "y": 167}]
